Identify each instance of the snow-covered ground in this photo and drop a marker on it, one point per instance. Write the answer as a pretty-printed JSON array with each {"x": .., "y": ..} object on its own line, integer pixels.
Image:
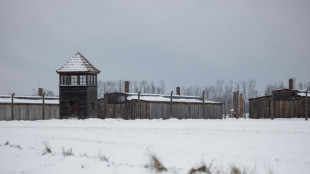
[{"x": 124, "y": 147}]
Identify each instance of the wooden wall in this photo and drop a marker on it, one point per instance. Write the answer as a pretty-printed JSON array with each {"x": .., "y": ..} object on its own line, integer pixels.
[
  {"x": 156, "y": 110},
  {"x": 261, "y": 108},
  {"x": 28, "y": 111}
]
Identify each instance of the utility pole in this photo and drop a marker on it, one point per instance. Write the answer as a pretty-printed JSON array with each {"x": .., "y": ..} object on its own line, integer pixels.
[
  {"x": 203, "y": 105},
  {"x": 171, "y": 104},
  {"x": 12, "y": 106}
]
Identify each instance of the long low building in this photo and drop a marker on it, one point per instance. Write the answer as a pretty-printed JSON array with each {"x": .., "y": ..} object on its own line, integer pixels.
[
  {"x": 28, "y": 107},
  {"x": 154, "y": 106},
  {"x": 283, "y": 103}
]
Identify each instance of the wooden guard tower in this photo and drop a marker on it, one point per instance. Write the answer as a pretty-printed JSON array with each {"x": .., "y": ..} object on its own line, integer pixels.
[{"x": 78, "y": 88}]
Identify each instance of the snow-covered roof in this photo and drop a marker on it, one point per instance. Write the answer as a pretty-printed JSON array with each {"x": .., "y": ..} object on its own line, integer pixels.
[
  {"x": 78, "y": 63},
  {"x": 302, "y": 93},
  {"x": 29, "y": 99},
  {"x": 166, "y": 98}
]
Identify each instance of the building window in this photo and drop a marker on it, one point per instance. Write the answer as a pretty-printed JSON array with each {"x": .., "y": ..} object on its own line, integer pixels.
[
  {"x": 63, "y": 80},
  {"x": 88, "y": 79},
  {"x": 91, "y": 80},
  {"x": 73, "y": 80},
  {"x": 93, "y": 105},
  {"x": 82, "y": 79}
]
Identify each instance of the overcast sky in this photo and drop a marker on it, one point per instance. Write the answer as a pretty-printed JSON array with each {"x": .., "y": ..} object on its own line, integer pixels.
[{"x": 191, "y": 43}]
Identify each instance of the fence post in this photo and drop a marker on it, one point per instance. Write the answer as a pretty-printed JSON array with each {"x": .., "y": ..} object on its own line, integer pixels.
[
  {"x": 106, "y": 105},
  {"x": 139, "y": 105},
  {"x": 244, "y": 112},
  {"x": 171, "y": 104},
  {"x": 307, "y": 107},
  {"x": 43, "y": 106},
  {"x": 224, "y": 111},
  {"x": 237, "y": 112},
  {"x": 272, "y": 107},
  {"x": 12, "y": 106},
  {"x": 203, "y": 105}
]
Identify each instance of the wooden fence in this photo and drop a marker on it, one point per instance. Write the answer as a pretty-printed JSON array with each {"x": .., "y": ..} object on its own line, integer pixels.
[{"x": 28, "y": 107}]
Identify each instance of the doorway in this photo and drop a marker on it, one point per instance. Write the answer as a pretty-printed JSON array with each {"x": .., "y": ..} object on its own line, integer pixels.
[{"x": 74, "y": 108}]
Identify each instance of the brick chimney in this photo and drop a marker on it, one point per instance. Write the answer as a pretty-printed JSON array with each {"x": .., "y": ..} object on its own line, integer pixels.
[
  {"x": 290, "y": 83},
  {"x": 126, "y": 86},
  {"x": 178, "y": 91},
  {"x": 40, "y": 91}
]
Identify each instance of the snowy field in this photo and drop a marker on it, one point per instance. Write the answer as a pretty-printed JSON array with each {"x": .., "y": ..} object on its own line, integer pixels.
[{"x": 124, "y": 147}]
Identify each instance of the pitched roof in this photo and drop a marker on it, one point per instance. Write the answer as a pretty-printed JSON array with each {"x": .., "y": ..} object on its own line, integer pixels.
[
  {"x": 166, "y": 98},
  {"x": 78, "y": 63}
]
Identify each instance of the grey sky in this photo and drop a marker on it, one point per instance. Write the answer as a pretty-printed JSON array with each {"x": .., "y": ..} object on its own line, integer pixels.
[{"x": 191, "y": 43}]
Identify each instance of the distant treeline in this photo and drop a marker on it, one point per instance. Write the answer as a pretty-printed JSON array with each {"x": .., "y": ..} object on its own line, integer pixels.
[{"x": 134, "y": 86}]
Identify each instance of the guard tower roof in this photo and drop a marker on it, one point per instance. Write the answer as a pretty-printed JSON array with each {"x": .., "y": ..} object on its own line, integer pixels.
[{"x": 78, "y": 63}]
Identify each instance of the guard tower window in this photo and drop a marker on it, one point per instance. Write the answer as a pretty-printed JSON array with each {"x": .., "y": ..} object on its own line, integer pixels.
[
  {"x": 73, "y": 80},
  {"x": 82, "y": 79},
  {"x": 88, "y": 79},
  {"x": 63, "y": 80},
  {"x": 91, "y": 80}
]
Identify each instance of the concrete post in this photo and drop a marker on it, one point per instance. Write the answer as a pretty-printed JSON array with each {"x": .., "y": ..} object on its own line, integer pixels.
[
  {"x": 171, "y": 104},
  {"x": 139, "y": 105},
  {"x": 307, "y": 106},
  {"x": 106, "y": 105},
  {"x": 272, "y": 107},
  {"x": 229, "y": 108},
  {"x": 12, "y": 106},
  {"x": 203, "y": 105},
  {"x": 224, "y": 109},
  {"x": 241, "y": 106},
  {"x": 237, "y": 106},
  {"x": 244, "y": 113},
  {"x": 43, "y": 106}
]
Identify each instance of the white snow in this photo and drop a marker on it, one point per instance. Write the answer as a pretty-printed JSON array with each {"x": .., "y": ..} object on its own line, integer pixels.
[
  {"x": 29, "y": 99},
  {"x": 302, "y": 93},
  {"x": 78, "y": 63},
  {"x": 166, "y": 98},
  {"x": 281, "y": 145}
]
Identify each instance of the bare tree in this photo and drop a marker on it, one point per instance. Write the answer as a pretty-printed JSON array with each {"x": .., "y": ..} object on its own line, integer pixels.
[{"x": 301, "y": 85}]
